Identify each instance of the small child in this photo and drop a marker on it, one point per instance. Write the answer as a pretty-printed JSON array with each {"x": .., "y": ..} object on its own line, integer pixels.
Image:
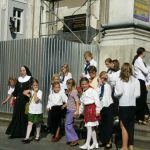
[
  {"x": 89, "y": 61},
  {"x": 35, "y": 115},
  {"x": 55, "y": 106},
  {"x": 65, "y": 75},
  {"x": 72, "y": 108},
  {"x": 11, "y": 85},
  {"x": 107, "y": 112},
  {"x": 90, "y": 105},
  {"x": 55, "y": 78}
]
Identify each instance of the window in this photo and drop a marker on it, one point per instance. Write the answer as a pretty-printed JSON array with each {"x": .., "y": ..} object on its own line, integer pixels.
[{"x": 18, "y": 19}]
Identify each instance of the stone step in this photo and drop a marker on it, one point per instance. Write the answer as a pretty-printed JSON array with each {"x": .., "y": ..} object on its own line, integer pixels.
[
  {"x": 142, "y": 130},
  {"x": 142, "y": 142}
]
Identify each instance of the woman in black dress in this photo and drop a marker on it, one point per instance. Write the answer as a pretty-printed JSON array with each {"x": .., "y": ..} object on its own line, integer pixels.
[{"x": 18, "y": 124}]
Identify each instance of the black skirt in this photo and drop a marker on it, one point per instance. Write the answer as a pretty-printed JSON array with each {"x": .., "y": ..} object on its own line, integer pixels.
[{"x": 127, "y": 117}]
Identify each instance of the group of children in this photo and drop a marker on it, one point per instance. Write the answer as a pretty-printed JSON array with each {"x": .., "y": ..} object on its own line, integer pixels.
[{"x": 99, "y": 98}]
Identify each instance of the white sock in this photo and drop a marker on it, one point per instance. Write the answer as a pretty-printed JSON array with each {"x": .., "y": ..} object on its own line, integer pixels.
[
  {"x": 29, "y": 129},
  {"x": 38, "y": 129},
  {"x": 94, "y": 137},
  {"x": 89, "y": 135}
]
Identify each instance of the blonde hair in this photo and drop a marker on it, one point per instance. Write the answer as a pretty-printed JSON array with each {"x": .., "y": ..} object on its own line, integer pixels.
[
  {"x": 55, "y": 83},
  {"x": 72, "y": 82},
  {"x": 102, "y": 73},
  {"x": 12, "y": 79},
  {"x": 66, "y": 66},
  {"x": 126, "y": 72},
  {"x": 88, "y": 53}
]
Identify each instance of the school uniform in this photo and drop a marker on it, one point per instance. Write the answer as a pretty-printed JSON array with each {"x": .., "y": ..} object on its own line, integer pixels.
[
  {"x": 35, "y": 109},
  {"x": 141, "y": 73},
  {"x": 49, "y": 122},
  {"x": 127, "y": 93},
  {"x": 55, "y": 102},
  {"x": 71, "y": 134},
  {"x": 86, "y": 66},
  {"x": 107, "y": 113},
  {"x": 64, "y": 79},
  {"x": 113, "y": 77}
]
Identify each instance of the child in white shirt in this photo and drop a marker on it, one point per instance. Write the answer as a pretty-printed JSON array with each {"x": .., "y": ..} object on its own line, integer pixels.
[
  {"x": 55, "y": 105},
  {"x": 91, "y": 107},
  {"x": 35, "y": 115}
]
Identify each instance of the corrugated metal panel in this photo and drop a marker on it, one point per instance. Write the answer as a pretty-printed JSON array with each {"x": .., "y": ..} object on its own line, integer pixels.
[{"x": 44, "y": 57}]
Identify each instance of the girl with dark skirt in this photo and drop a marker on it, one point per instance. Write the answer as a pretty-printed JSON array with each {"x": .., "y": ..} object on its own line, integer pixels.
[
  {"x": 18, "y": 124},
  {"x": 127, "y": 89},
  {"x": 141, "y": 73}
]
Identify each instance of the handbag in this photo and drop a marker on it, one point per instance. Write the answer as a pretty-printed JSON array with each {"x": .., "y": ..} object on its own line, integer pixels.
[{"x": 27, "y": 106}]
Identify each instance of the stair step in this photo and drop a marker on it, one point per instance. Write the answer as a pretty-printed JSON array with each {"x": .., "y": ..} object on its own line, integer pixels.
[
  {"x": 142, "y": 142},
  {"x": 142, "y": 130}
]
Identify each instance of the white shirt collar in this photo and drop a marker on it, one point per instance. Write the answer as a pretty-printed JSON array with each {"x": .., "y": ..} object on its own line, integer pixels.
[{"x": 24, "y": 79}]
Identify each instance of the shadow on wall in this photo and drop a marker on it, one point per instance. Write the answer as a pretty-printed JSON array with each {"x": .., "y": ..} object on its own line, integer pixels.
[
  {"x": 80, "y": 34},
  {"x": 13, "y": 35}
]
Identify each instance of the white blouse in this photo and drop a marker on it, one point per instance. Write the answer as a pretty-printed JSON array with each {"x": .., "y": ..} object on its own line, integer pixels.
[
  {"x": 92, "y": 63},
  {"x": 140, "y": 70},
  {"x": 90, "y": 96},
  {"x": 113, "y": 78},
  {"x": 64, "y": 83},
  {"x": 36, "y": 108},
  {"x": 11, "y": 90},
  {"x": 127, "y": 92},
  {"x": 56, "y": 99},
  {"x": 106, "y": 100}
]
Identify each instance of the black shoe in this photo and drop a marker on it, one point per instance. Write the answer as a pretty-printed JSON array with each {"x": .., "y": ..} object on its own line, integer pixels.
[
  {"x": 102, "y": 145},
  {"x": 108, "y": 146},
  {"x": 26, "y": 141},
  {"x": 37, "y": 140}
]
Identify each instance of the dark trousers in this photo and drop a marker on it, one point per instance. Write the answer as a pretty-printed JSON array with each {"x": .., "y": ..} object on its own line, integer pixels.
[
  {"x": 106, "y": 128},
  {"x": 141, "y": 102},
  {"x": 49, "y": 121},
  {"x": 127, "y": 116},
  {"x": 56, "y": 115}
]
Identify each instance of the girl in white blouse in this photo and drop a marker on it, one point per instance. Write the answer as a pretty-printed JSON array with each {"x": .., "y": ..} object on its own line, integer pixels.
[
  {"x": 11, "y": 85},
  {"x": 91, "y": 107},
  {"x": 35, "y": 115},
  {"x": 65, "y": 75},
  {"x": 141, "y": 73},
  {"x": 57, "y": 101},
  {"x": 127, "y": 89},
  {"x": 107, "y": 112}
]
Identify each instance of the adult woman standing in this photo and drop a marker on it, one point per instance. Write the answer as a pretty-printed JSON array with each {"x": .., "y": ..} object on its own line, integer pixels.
[
  {"x": 18, "y": 124},
  {"x": 127, "y": 89},
  {"x": 141, "y": 73}
]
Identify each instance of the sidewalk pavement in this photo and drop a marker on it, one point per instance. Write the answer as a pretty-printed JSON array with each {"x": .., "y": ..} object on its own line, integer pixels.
[{"x": 43, "y": 144}]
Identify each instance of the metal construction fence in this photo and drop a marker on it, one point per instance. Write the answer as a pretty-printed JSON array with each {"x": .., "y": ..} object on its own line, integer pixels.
[{"x": 44, "y": 57}]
